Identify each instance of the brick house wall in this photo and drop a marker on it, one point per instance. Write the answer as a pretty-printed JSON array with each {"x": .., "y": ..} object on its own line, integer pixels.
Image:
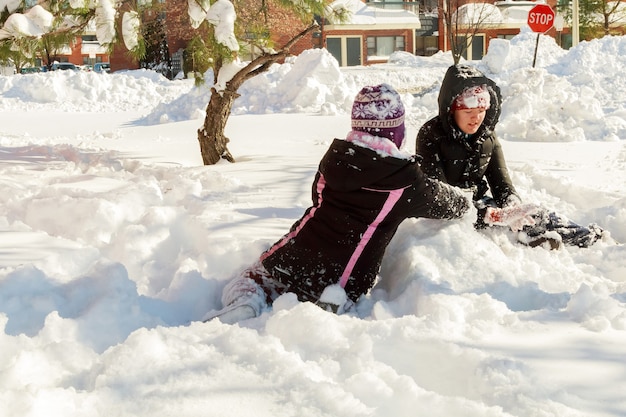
[
  {"x": 283, "y": 26},
  {"x": 77, "y": 54},
  {"x": 491, "y": 33},
  {"x": 407, "y": 34}
]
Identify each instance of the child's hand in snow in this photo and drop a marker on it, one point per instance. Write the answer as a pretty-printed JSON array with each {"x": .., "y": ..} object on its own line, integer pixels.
[{"x": 515, "y": 216}]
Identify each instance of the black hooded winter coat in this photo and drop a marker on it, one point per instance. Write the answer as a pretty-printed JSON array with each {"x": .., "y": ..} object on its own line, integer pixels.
[
  {"x": 360, "y": 197},
  {"x": 476, "y": 162}
]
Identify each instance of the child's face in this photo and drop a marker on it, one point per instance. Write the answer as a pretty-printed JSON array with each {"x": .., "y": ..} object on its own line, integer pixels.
[{"x": 469, "y": 120}]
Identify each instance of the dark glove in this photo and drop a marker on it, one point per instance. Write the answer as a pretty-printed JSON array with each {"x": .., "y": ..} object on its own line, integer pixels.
[{"x": 481, "y": 205}]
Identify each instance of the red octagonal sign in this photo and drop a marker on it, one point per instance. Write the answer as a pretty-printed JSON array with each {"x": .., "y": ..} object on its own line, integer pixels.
[{"x": 540, "y": 18}]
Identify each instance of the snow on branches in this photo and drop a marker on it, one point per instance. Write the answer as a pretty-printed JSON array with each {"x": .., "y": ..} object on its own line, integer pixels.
[
  {"x": 34, "y": 23},
  {"x": 222, "y": 16}
]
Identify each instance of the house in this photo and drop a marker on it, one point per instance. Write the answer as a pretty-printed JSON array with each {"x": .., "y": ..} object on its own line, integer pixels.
[
  {"x": 485, "y": 21},
  {"x": 378, "y": 28},
  {"x": 374, "y": 30},
  {"x": 371, "y": 34},
  {"x": 82, "y": 51},
  {"x": 87, "y": 50}
]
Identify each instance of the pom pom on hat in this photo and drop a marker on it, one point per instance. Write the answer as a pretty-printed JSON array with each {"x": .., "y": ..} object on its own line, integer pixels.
[
  {"x": 475, "y": 97},
  {"x": 378, "y": 110}
]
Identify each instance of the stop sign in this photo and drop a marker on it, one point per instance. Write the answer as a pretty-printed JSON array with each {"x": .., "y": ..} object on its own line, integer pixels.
[{"x": 540, "y": 18}]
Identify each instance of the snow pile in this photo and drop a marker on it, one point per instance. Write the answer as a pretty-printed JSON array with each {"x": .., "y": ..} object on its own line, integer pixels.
[
  {"x": 115, "y": 241},
  {"x": 77, "y": 91}
]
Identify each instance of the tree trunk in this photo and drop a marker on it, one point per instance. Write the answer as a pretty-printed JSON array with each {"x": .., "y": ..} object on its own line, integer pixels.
[{"x": 213, "y": 142}]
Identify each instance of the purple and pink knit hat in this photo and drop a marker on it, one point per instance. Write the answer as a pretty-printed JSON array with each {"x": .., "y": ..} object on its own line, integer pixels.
[{"x": 378, "y": 110}]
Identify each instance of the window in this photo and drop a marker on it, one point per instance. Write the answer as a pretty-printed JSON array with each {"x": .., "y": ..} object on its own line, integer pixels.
[
  {"x": 426, "y": 45},
  {"x": 383, "y": 46},
  {"x": 345, "y": 49},
  {"x": 478, "y": 46},
  {"x": 473, "y": 51}
]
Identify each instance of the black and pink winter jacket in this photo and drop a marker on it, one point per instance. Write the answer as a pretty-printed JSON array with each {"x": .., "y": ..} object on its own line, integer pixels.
[{"x": 363, "y": 190}]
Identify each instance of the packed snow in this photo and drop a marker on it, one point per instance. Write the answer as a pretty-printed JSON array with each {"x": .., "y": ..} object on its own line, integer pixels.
[{"x": 115, "y": 240}]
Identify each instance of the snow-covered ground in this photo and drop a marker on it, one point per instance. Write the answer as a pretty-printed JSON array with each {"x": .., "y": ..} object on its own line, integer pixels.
[{"x": 115, "y": 241}]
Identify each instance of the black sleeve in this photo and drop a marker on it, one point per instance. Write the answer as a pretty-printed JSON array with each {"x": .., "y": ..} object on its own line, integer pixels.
[
  {"x": 431, "y": 198},
  {"x": 497, "y": 175},
  {"x": 427, "y": 147},
  {"x": 447, "y": 201}
]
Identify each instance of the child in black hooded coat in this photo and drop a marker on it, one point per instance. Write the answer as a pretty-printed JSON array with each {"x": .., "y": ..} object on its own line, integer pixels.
[{"x": 459, "y": 146}]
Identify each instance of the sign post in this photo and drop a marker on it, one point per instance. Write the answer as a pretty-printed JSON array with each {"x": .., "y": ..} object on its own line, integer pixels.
[
  {"x": 559, "y": 21},
  {"x": 540, "y": 20}
]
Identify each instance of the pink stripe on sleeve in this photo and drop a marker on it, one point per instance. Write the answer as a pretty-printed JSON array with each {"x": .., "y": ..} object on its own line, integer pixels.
[{"x": 391, "y": 201}]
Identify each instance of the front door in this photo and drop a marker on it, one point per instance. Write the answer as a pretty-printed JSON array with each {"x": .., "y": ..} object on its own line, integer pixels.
[
  {"x": 346, "y": 50},
  {"x": 353, "y": 51}
]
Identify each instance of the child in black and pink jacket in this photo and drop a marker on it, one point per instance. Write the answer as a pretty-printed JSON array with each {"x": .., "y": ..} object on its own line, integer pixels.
[{"x": 366, "y": 185}]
